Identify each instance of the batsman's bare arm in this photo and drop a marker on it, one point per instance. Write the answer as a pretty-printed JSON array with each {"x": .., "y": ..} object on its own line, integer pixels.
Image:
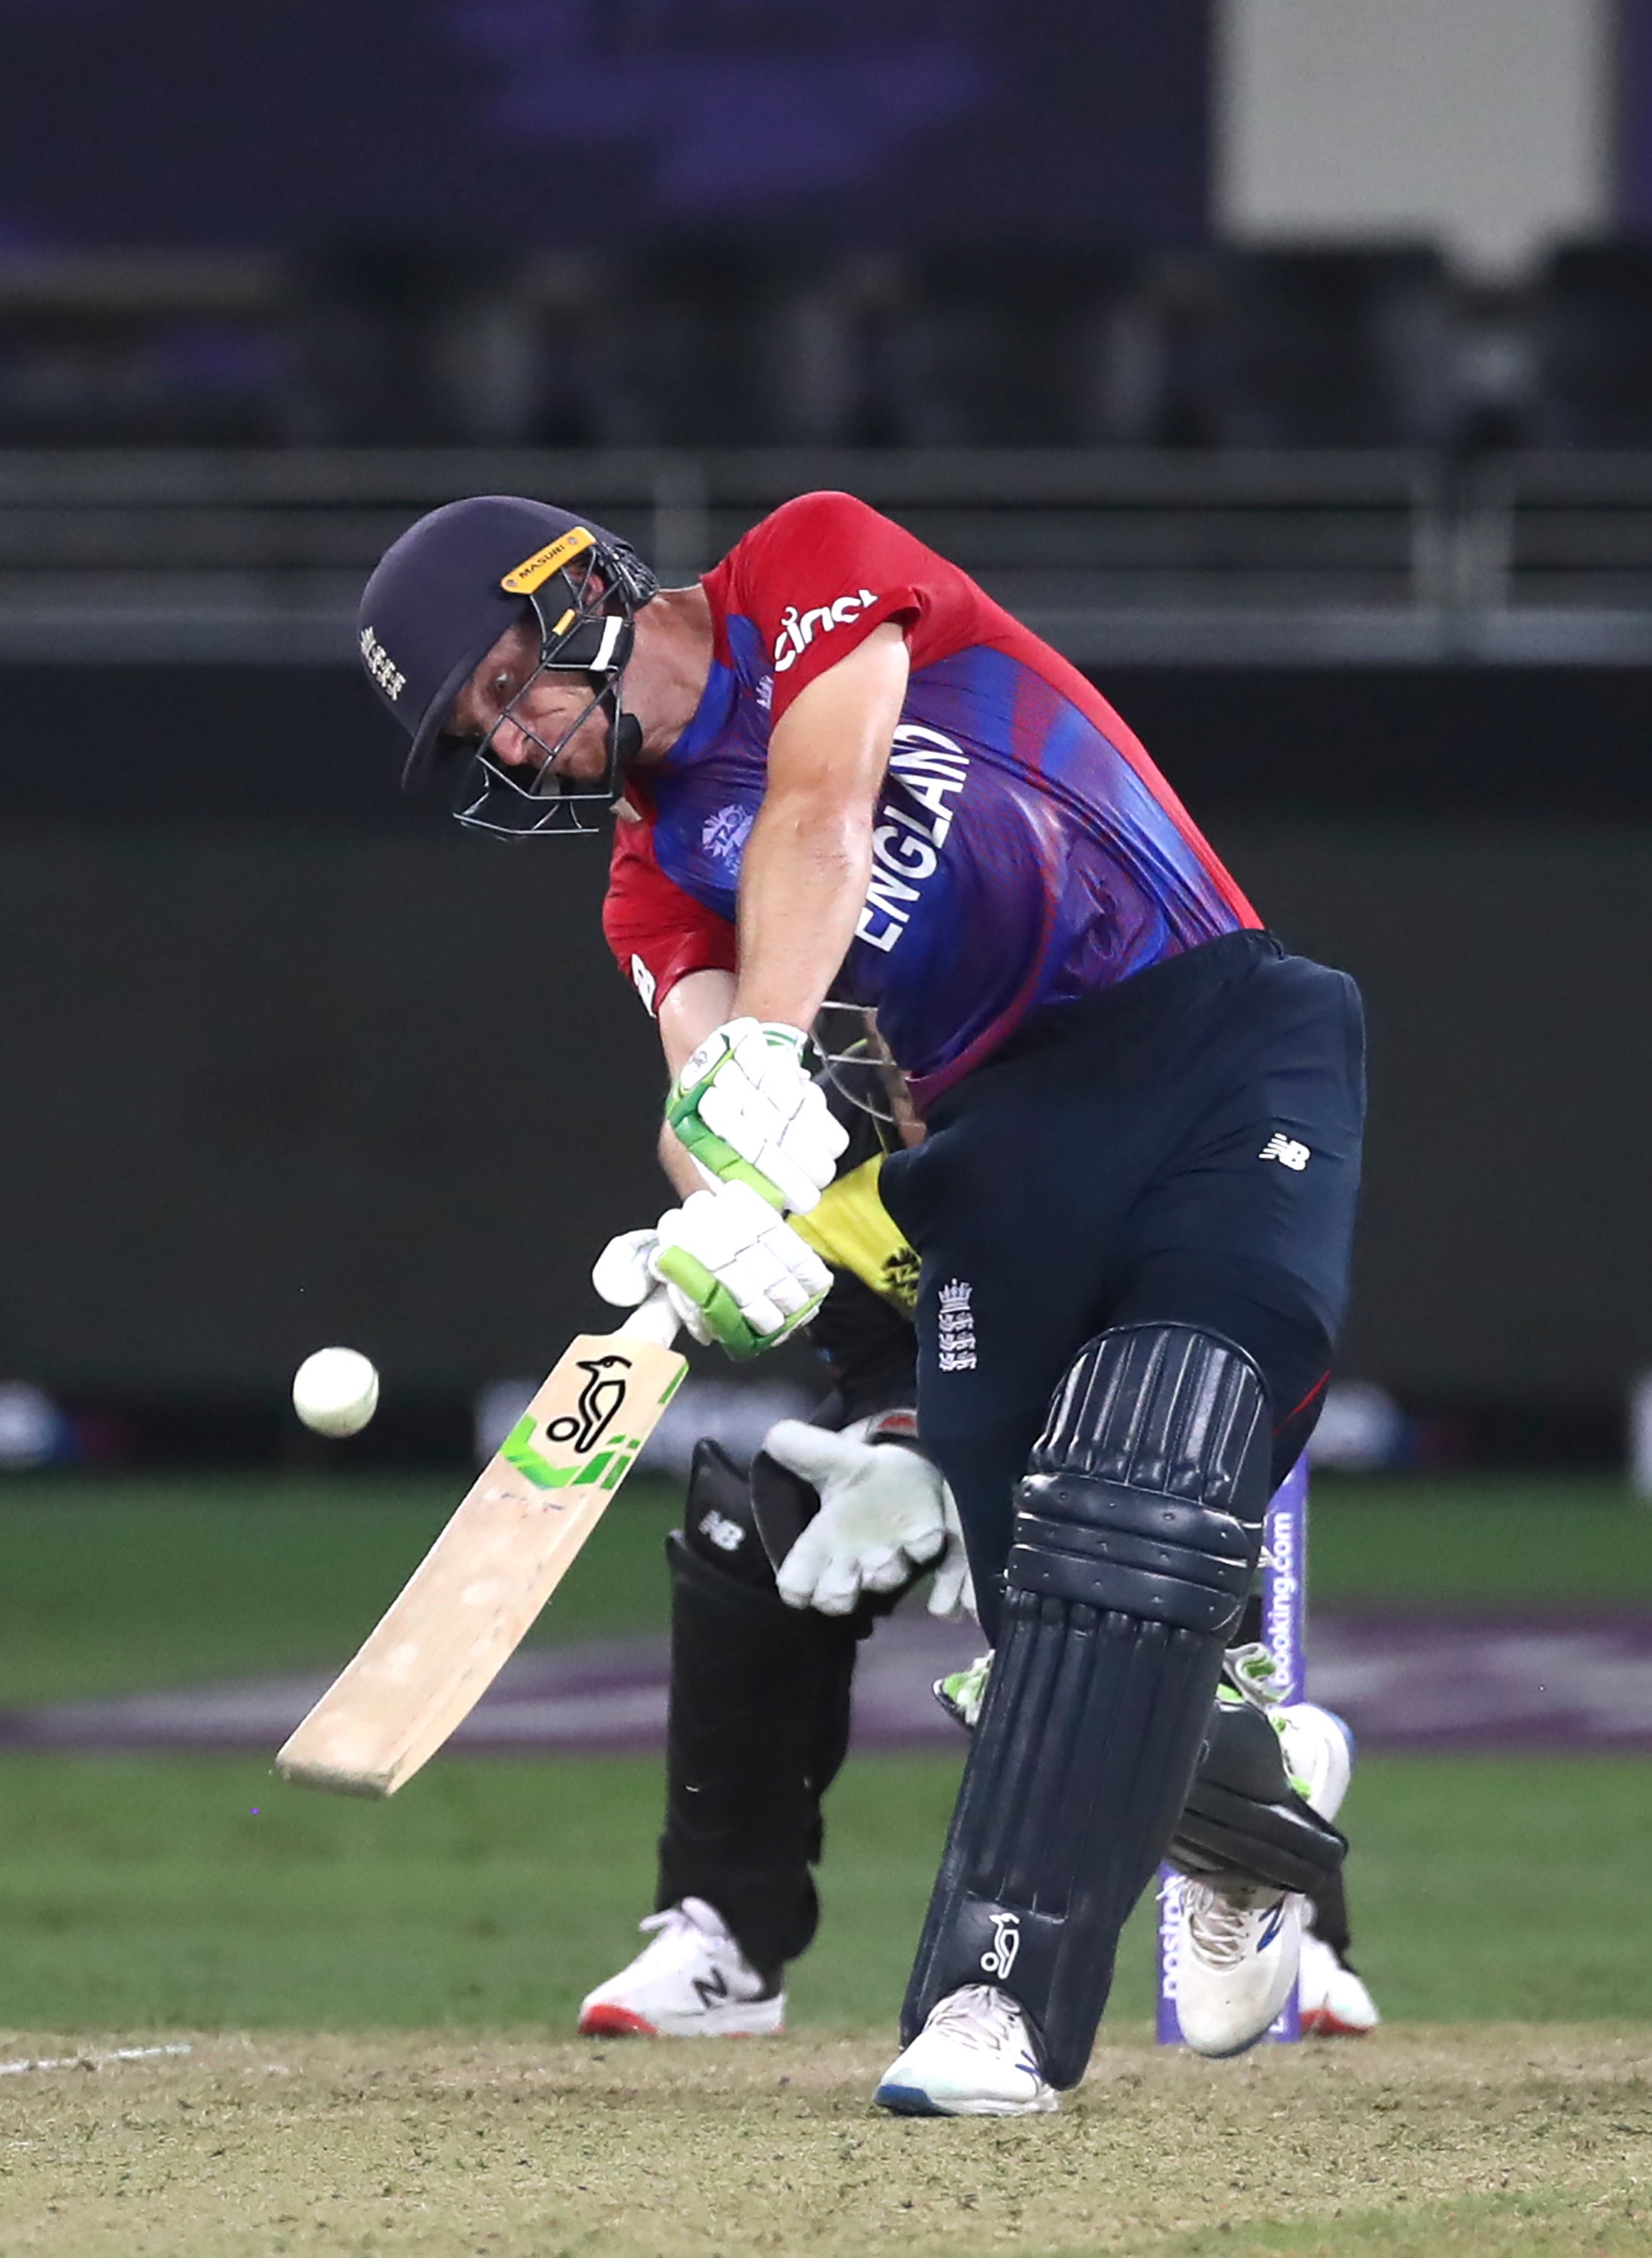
[
  {"x": 806, "y": 865},
  {"x": 809, "y": 858},
  {"x": 699, "y": 1002}
]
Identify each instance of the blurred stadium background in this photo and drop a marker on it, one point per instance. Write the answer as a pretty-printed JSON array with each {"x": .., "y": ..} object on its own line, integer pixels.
[
  {"x": 1292, "y": 374},
  {"x": 1289, "y": 368}
]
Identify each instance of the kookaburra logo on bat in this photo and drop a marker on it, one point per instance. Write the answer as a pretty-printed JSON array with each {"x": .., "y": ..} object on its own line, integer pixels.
[{"x": 600, "y": 1397}]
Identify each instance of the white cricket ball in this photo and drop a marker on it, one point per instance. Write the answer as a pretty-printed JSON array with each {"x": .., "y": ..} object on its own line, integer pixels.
[{"x": 335, "y": 1391}]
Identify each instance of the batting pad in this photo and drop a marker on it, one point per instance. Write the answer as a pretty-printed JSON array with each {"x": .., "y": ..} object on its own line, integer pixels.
[{"x": 1133, "y": 1551}]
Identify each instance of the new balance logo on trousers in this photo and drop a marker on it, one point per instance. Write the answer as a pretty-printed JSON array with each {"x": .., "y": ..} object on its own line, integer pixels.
[{"x": 1286, "y": 1151}]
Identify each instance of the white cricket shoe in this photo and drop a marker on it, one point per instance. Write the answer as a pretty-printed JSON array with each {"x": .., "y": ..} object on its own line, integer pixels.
[
  {"x": 692, "y": 1981},
  {"x": 1238, "y": 1960},
  {"x": 973, "y": 2058},
  {"x": 1319, "y": 1754},
  {"x": 1334, "y": 2003},
  {"x": 1241, "y": 1946}
]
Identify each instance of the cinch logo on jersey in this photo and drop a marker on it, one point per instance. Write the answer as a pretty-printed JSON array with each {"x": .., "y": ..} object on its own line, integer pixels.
[
  {"x": 389, "y": 677},
  {"x": 795, "y": 635},
  {"x": 926, "y": 772}
]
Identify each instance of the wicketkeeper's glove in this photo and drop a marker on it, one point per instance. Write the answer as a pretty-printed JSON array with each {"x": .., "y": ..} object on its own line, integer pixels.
[
  {"x": 882, "y": 1514},
  {"x": 735, "y": 1274},
  {"x": 951, "y": 1596},
  {"x": 746, "y": 1109}
]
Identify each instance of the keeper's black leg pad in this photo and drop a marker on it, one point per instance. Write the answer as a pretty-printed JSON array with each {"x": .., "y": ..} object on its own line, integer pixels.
[
  {"x": 1329, "y": 1918},
  {"x": 1137, "y": 1531},
  {"x": 758, "y": 1724},
  {"x": 1243, "y": 1821}
]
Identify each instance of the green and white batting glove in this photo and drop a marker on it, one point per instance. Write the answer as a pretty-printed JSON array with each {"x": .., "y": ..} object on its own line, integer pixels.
[
  {"x": 735, "y": 1272},
  {"x": 746, "y": 1109}
]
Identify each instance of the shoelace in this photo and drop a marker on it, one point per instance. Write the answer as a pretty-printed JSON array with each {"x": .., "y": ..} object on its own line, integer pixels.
[
  {"x": 676, "y": 1927},
  {"x": 673, "y": 1917},
  {"x": 1218, "y": 1926},
  {"x": 979, "y": 2016}
]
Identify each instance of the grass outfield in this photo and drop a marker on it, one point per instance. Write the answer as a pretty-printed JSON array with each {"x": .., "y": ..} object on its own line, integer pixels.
[
  {"x": 141, "y": 1892},
  {"x": 145, "y": 1890},
  {"x": 379, "y": 1994},
  {"x": 112, "y": 1585}
]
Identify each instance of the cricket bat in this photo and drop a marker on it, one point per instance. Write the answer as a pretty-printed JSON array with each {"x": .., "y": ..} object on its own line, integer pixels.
[{"x": 473, "y": 1597}]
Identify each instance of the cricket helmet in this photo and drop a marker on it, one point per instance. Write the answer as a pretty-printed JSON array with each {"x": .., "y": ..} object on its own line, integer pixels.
[{"x": 439, "y": 600}]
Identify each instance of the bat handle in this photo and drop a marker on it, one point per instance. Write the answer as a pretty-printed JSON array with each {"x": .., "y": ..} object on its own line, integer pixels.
[{"x": 654, "y": 1320}]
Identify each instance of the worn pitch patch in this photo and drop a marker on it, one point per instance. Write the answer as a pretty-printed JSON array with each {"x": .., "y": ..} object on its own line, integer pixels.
[{"x": 1508, "y": 2141}]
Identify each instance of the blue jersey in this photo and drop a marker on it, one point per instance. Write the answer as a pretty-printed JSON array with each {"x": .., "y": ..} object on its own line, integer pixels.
[{"x": 1025, "y": 851}]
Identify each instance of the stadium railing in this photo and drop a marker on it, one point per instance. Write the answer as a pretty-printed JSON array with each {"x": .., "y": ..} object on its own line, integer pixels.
[{"x": 1117, "y": 555}]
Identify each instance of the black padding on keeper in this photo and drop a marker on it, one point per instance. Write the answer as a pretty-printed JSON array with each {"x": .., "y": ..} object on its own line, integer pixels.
[
  {"x": 1243, "y": 1820},
  {"x": 782, "y": 1505},
  {"x": 1141, "y": 1528},
  {"x": 757, "y": 1726},
  {"x": 720, "y": 1525}
]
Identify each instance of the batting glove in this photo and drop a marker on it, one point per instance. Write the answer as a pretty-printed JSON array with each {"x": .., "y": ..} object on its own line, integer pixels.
[
  {"x": 882, "y": 1516},
  {"x": 746, "y": 1109},
  {"x": 733, "y": 1272}
]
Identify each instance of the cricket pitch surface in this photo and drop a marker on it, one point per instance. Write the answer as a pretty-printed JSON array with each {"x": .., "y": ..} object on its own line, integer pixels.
[{"x": 1502, "y": 2139}]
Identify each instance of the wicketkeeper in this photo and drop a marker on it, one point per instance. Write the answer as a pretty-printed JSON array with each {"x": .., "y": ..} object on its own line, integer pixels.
[{"x": 838, "y": 767}]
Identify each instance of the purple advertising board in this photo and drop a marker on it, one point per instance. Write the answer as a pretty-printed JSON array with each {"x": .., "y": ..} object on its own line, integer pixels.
[
  {"x": 1635, "y": 116},
  {"x": 538, "y": 124}
]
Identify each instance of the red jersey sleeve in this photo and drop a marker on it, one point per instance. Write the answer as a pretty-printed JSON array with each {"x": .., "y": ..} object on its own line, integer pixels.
[
  {"x": 657, "y": 932},
  {"x": 820, "y": 573}
]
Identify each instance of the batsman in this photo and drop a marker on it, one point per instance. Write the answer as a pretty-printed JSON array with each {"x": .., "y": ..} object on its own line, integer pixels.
[{"x": 839, "y": 771}]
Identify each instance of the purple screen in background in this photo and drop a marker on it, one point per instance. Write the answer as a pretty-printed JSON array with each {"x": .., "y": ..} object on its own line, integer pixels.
[
  {"x": 530, "y": 123},
  {"x": 1635, "y": 115}
]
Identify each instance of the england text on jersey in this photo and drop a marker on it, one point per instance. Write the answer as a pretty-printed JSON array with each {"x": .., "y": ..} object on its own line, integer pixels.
[{"x": 1026, "y": 851}]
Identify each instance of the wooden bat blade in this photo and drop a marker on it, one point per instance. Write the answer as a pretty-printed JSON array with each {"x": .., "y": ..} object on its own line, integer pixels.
[{"x": 474, "y": 1596}]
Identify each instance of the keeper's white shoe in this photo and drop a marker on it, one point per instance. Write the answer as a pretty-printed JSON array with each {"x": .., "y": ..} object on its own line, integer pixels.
[
  {"x": 690, "y": 1981},
  {"x": 1319, "y": 1755},
  {"x": 974, "y": 2057},
  {"x": 1239, "y": 1953},
  {"x": 1240, "y": 1947},
  {"x": 1334, "y": 2003}
]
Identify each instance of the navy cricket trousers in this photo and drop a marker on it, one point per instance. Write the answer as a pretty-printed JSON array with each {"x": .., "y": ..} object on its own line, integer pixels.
[{"x": 1184, "y": 1146}]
